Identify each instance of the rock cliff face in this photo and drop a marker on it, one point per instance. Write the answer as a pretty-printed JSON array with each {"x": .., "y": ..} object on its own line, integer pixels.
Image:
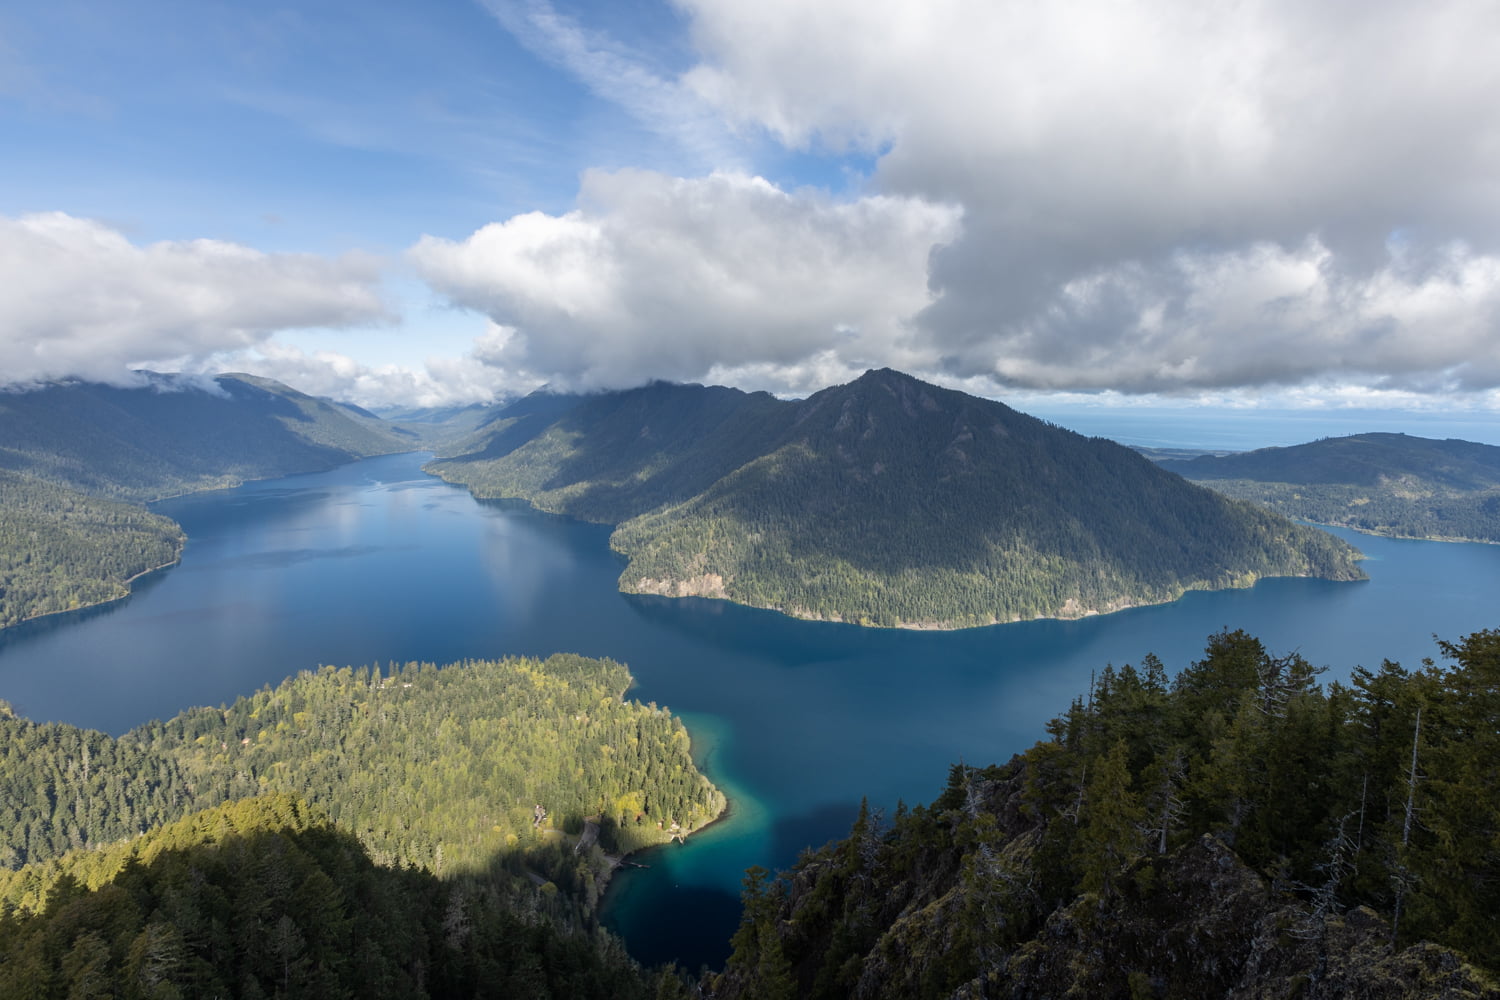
[
  {"x": 1200, "y": 923},
  {"x": 969, "y": 918}
]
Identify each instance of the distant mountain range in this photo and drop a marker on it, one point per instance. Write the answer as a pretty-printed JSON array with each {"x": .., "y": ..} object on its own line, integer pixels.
[
  {"x": 77, "y": 459},
  {"x": 179, "y": 434},
  {"x": 1387, "y": 484},
  {"x": 886, "y": 501}
]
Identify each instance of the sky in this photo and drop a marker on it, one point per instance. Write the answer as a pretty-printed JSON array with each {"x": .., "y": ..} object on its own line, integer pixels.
[{"x": 1108, "y": 206}]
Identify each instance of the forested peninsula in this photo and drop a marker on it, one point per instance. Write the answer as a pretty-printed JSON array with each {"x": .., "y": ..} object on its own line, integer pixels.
[
  {"x": 78, "y": 460},
  {"x": 885, "y": 502},
  {"x": 1237, "y": 831},
  {"x": 452, "y": 825},
  {"x": 1385, "y": 484}
]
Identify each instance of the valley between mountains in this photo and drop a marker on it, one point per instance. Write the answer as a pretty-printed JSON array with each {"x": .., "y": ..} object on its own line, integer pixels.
[{"x": 1236, "y": 830}]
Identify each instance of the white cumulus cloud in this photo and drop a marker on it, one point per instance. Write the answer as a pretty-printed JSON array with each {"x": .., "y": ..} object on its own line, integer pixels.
[
  {"x": 660, "y": 277},
  {"x": 1160, "y": 194},
  {"x": 80, "y": 300},
  {"x": 1256, "y": 316},
  {"x": 440, "y": 381}
]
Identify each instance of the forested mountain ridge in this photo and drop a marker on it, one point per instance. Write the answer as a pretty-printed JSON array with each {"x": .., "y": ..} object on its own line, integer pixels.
[
  {"x": 1236, "y": 832},
  {"x": 886, "y": 501},
  {"x": 1387, "y": 484},
  {"x": 177, "y": 435},
  {"x": 76, "y": 457},
  {"x": 612, "y": 456}
]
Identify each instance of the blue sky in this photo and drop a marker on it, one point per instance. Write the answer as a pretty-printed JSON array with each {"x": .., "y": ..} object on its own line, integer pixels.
[{"x": 1085, "y": 207}]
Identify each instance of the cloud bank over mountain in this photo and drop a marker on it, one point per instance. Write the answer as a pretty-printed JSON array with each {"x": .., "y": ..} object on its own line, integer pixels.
[
  {"x": 1156, "y": 197},
  {"x": 79, "y": 299},
  {"x": 1141, "y": 198},
  {"x": 662, "y": 277}
]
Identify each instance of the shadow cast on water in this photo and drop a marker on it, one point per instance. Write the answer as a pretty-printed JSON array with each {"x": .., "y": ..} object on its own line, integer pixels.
[
  {"x": 694, "y": 930},
  {"x": 791, "y": 835},
  {"x": 740, "y": 629},
  {"x": 692, "y": 924}
]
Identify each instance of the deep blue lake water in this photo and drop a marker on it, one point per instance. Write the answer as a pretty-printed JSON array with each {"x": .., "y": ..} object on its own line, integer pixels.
[{"x": 377, "y": 562}]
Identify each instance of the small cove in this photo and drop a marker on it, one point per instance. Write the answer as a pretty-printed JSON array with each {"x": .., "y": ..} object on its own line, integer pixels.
[{"x": 376, "y": 562}]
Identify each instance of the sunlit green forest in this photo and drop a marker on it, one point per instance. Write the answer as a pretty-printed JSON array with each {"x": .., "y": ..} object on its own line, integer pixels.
[
  {"x": 61, "y": 549},
  {"x": 415, "y": 781},
  {"x": 439, "y": 768},
  {"x": 1235, "y": 827}
]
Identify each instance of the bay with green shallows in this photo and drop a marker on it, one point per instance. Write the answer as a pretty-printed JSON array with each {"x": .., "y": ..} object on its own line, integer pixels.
[{"x": 376, "y": 562}]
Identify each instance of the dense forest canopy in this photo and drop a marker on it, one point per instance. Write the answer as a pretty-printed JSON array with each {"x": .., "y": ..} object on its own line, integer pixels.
[
  {"x": 415, "y": 788},
  {"x": 440, "y": 768},
  {"x": 412, "y": 830},
  {"x": 1235, "y": 831},
  {"x": 264, "y": 897},
  {"x": 61, "y": 549},
  {"x": 885, "y": 502}
]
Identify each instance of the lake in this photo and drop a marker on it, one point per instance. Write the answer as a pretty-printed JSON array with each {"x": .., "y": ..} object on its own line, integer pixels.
[{"x": 377, "y": 562}]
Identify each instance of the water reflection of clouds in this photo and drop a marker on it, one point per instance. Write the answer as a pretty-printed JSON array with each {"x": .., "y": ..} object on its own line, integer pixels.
[
  {"x": 285, "y": 558},
  {"x": 519, "y": 573}
]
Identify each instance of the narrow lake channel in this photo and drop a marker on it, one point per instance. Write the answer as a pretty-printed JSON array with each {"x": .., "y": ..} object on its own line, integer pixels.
[{"x": 376, "y": 562}]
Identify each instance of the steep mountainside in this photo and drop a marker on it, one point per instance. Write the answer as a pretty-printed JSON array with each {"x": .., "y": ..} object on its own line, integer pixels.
[
  {"x": 612, "y": 456},
  {"x": 75, "y": 457},
  {"x": 180, "y": 435},
  {"x": 1388, "y": 484},
  {"x": 1236, "y": 833},
  {"x": 886, "y": 501}
]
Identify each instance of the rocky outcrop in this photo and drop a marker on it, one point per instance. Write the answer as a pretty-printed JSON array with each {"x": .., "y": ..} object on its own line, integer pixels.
[
  {"x": 953, "y": 904},
  {"x": 1200, "y": 923}
]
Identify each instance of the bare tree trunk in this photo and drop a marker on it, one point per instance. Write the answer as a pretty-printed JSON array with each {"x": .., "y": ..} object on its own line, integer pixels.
[
  {"x": 1411, "y": 782},
  {"x": 1402, "y": 878}
]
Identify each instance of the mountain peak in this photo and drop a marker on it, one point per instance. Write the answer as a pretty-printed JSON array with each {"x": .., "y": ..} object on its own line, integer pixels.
[
  {"x": 889, "y": 378},
  {"x": 886, "y": 500}
]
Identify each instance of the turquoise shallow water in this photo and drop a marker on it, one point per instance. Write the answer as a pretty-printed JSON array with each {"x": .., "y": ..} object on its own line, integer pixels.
[{"x": 376, "y": 562}]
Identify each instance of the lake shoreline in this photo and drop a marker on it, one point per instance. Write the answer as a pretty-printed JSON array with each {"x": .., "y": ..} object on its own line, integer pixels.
[
  {"x": 622, "y": 860},
  {"x": 1065, "y": 614},
  {"x": 94, "y": 605},
  {"x": 809, "y": 717}
]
